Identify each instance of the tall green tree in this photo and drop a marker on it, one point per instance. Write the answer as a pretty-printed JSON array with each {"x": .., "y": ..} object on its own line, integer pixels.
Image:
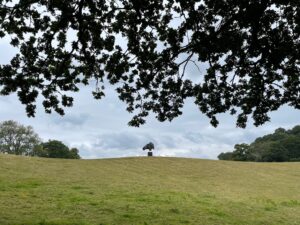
[
  {"x": 241, "y": 152},
  {"x": 250, "y": 48},
  {"x": 17, "y": 139},
  {"x": 57, "y": 149}
]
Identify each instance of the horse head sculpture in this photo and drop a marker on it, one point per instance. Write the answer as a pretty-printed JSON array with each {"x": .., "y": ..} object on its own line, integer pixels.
[{"x": 149, "y": 147}]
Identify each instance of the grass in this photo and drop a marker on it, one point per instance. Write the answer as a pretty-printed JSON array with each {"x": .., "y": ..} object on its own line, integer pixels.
[{"x": 147, "y": 191}]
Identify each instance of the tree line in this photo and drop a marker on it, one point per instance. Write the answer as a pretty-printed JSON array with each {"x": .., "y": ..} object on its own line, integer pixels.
[
  {"x": 281, "y": 146},
  {"x": 18, "y": 139}
]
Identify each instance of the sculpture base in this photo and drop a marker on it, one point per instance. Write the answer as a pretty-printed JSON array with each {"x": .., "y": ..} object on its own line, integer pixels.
[{"x": 150, "y": 154}]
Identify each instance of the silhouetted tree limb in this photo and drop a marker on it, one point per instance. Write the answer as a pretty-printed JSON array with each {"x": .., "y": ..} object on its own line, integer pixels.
[{"x": 251, "y": 47}]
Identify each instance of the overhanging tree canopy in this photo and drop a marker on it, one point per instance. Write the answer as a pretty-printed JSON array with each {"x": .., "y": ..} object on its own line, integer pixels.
[{"x": 251, "y": 47}]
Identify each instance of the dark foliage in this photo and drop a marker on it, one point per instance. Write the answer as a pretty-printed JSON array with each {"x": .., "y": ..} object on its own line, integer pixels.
[
  {"x": 281, "y": 146},
  {"x": 57, "y": 149},
  {"x": 225, "y": 156},
  {"x": 251, "y": 48}
]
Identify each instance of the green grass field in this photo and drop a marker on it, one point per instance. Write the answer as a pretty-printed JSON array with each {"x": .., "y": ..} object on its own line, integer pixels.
[{"x": 147, "y": 191}]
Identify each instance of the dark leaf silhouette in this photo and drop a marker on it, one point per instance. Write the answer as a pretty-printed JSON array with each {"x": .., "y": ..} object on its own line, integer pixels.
[{"x": 143, "y": 48}]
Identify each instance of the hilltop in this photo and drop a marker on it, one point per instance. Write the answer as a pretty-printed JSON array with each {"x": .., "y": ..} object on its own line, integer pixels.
[{"x": 147, "y": 191}]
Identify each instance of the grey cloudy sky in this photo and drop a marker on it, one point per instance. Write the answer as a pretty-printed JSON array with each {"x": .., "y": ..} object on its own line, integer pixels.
[{"x": 99, "y": 128}]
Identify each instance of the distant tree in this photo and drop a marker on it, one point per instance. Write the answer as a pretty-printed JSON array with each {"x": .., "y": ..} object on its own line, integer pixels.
[
  {"x": 39, "y": 151},
  {"x": 292, "y": 145},
  {"x": 250, "y": 49},
  {"x": 241, "y": 152},
  {"x": 74, "y": 153},
  {"x": 295, "y": 130},
  {"x": 275, "y": 153},
  {"x": 17, "y": 139},
  {"x": 283, "y": 145},
  {"x": 280, "y": 131},
  {"x": 57, "y": 149},
  {"x": 260, "y": 149},
  {"x": 225, "y": 156}
]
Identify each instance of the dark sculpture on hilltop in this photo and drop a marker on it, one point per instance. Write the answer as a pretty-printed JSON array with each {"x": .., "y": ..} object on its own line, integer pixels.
[{"x": 149, "y": 147}]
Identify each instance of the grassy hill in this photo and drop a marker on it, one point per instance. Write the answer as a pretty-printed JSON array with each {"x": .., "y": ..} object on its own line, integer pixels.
[{"x": 147, "y": 191}]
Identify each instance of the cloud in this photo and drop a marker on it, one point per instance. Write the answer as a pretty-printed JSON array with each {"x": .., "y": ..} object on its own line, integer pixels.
[
  {"x": 120, "y": 141},
  {"x": 71, "y": 120}
]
